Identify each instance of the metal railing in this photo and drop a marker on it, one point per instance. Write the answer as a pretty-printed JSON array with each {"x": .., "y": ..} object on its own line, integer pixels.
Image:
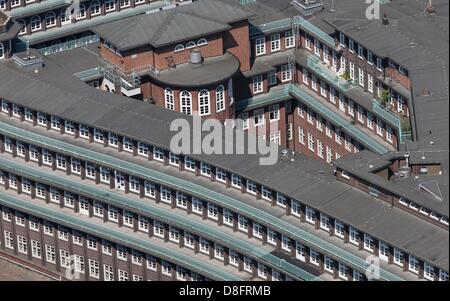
[
  {"x": 336, "y": 119},
  {"x": 386, "y": 114},
  {"x": 315, "y": 64},
  {"x": 69, "y": 45},
  {"x": 263, "y": 99},
  {"x": 89, "y": 73},
  {"x": 287, "y": 23}
]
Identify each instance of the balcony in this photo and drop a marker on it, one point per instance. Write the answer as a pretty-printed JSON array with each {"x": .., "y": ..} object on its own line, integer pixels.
[
  {"x": 90, "y": 74},
  {"x": 338, "y": 120},
  {"x": 275, "y": 95},
  {"x": 289, "y": 23},
  {"x": 321, "y": 68},
  {"x": 386, "y": 114},
  {"x": 316, "y": 31},
  {"x": 81, "y": 42}
]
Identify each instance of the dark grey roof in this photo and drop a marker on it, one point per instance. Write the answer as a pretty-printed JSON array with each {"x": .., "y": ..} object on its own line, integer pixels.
[
  {"x": 265, "y": 11},
  {"x": 364, "y": 163},
  {"x": 211, "y": 71},
  {"x": 427, "y": 62},
  {"x": 78, "y": 59},
  {"x": 171, "y": 26},
  {"x": 56, "y": 92},
  {"x": 266, "y": 63}
]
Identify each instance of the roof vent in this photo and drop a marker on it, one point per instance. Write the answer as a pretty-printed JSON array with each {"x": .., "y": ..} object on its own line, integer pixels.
[
  {"x": 404, "y": 172},
  {"x": 29, "y": 61},
  {"x": 196, "y": 57},
  {"x": 426, "y": 92},
  {"x": 423, "y": 170},
  {"x": 412, "y": 44}
]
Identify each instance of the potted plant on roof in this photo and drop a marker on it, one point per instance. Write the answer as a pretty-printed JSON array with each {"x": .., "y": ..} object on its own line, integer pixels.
[
  {"x": 384, "y": 98},
  {"x": 346, "y": 76}
]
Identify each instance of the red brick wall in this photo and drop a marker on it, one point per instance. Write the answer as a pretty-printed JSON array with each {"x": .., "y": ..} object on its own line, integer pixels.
[
  {"x": 157, "y": 93},
  {"x": 364, "y": 124},
  {"x": 136, "y": 59},
  {"x": 237, "y": 42},
  {"x": 398, "y": 77},
  {"x": 213, "y": 48}
]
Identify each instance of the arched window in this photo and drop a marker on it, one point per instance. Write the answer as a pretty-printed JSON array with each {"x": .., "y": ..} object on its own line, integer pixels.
[
  {"x": 50, "y": 19},
  {"x": 179, "y": 48},
  {"x": 202, "y": 42},
  {"x": 80, "y": 12},
  {"x": 124, "y": 3},
  {"x": 23, "y": 27},
  {"x": 2, "y": 51},
  {"x": 190, "y": 45},
  {"x": 65, "y": 17},
  {"x": 95, "y": 8},
  {"x": 220, "y": 98},
  {"x": 186, "y": 102},
  {"x": 203, "y": 102},
  {"x": 35, "y": 23},
  {"x": 110, "y": 5},
  {"x": 168, "y": 97}
]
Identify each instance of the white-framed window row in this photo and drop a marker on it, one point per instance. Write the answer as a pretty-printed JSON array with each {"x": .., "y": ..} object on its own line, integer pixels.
[{"x": 236, "y": 181}]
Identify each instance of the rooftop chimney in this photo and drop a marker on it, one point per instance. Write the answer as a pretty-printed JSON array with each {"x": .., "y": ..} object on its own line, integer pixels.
[
  {"x": 196, "y": 57},
  {"x": 385, "y": 20}
]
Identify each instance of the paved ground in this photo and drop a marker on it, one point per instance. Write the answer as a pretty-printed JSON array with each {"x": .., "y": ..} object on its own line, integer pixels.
[{"x": 12, "y": 272}]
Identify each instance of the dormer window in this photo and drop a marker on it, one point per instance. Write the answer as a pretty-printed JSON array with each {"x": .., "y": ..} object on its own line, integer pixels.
[
  {"x": 202, "y": 42},
  {"x": 351, "y": 45},
  {"x": 110, "y": 5},
  {"x": 2, "y": 51},
  {"x": 15, "y": 3},
  {"x": 424, "y": 211},
  {"x": 433, "y": 216},
  {"x": 345, "y": 175},
  {"x": 370, "y": 57},
  {"x": 124, "y": 3},
  {"x": 81, "y": 12},
  {"x": 413, "y": 206},
  {"x": 179, "y": 48},
  {"x": 50, "y": 20},
  {"x": 190, "y": 45},
  {"x": 35, "y": 23},
  {"x": 379, "y": 64},
  {"x": 402, "y": 70},
  {"x": 360, "y": 52},
  {"x": 403, "y": 202},
  {"x": 342, "y": 39}
]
